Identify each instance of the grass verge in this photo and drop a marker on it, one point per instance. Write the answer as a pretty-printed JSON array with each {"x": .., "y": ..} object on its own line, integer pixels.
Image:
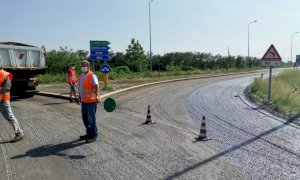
[{"x": 285, "y": 92}]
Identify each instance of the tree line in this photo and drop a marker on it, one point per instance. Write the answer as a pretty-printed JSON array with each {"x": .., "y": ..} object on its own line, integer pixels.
[{"x": 136, "y": 60}]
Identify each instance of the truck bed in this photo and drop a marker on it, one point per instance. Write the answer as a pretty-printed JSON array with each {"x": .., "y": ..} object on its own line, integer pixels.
[
  {"x": 14, "y": 56},
  {"x": 25, "y": 62}
]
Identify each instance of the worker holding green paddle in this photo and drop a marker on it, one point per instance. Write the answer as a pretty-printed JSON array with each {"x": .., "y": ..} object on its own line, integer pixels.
[{"x": 89, "y": 95}]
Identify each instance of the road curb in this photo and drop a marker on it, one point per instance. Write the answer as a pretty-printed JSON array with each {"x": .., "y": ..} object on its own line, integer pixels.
[
  {"x": 253, "y": 106},
  {"x": 55, "y": 95},
  {"x": 62, "y": 96}
]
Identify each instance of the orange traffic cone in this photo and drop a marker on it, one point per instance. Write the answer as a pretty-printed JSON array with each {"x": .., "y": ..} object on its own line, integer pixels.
[
  {"x": 148, "y": 119},
  {"x": 202, "y": 136}
]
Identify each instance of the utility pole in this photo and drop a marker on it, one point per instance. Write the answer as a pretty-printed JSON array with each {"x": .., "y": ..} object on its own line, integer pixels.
[{"x": 150, "y": 34}]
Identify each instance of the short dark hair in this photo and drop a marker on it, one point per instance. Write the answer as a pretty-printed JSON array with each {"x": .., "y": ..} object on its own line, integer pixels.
[{"x": 72, "y": 64}]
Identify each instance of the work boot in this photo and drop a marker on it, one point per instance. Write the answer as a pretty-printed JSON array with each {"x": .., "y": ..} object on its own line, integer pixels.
[
  {"x": 90, "y": 140},
  {"x": 83, "y": 137},
  {"x": 18, "y": 137},
  {"x": 71, "y": 100}
]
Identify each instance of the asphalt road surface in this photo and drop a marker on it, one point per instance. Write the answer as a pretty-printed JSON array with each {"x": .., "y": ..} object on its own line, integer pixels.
[
  {"x": 264, "y": 148},
  {"x": 245, "y": 143}
]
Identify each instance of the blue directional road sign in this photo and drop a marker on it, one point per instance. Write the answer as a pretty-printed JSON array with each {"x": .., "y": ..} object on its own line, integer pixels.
[
  {"x": 105, "y": 68},
  {"x": 99, "y": 57},
  {"x": 99, "y": 50},
  {"x": 99, "y": 43},
  {"x": 102, "y": 53}
]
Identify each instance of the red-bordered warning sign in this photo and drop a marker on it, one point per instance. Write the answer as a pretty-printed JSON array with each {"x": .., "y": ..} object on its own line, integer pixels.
[{"x": 271, "y": 54}]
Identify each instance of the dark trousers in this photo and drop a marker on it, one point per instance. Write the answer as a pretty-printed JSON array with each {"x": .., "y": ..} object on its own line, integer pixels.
[{"x": 88, "y": 112}]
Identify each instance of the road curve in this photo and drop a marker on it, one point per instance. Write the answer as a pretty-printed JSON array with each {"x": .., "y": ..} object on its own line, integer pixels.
[
  {"x": 126, "y": 149},
  {"x": 264, "y": 148}
]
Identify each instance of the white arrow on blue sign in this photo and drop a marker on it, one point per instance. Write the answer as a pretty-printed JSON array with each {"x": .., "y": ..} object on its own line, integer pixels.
[
  {"x": 100, "y": 48},
  {"x": 104, "y": 53},
  {"x": 105, "y": 68},
  {"x": 99, "y": 57}
]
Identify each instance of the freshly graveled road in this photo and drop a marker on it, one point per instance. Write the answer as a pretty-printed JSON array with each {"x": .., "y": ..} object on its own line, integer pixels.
[
  {"x": 126, "y": 149},
  {"x": 263, "y": 147}
]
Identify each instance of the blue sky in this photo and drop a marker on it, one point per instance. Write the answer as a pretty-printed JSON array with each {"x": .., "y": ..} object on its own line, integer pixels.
[{"x": 177, "y": 25}]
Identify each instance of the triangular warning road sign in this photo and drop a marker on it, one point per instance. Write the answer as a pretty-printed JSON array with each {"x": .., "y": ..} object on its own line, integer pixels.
[{"x": 271, "y": 54}]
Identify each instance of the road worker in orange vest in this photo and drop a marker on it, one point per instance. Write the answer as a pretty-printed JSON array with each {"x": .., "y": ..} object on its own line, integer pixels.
[
  {"x": 71, "y": 80},
  {"x": 89, "y": 95},
  {"x": 5, "y": 85}
]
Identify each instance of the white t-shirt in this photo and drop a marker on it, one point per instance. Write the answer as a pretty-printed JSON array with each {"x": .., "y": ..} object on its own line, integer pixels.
[{"x": 94, "y": 81}]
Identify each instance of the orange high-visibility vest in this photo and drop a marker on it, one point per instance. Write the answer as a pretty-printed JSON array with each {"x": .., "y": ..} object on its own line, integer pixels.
[
  {"x": 71, "y": 76},
  {"x": 88, "y": 89},
  {"x": 3, "y": 75}
]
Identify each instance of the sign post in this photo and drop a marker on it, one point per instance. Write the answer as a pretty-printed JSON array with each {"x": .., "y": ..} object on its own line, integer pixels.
[
  {"x": 271, "y": 58},
  {"x": 270, "y": 82}
]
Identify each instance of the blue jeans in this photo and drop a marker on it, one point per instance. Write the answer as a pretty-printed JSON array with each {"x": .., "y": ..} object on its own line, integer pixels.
[
  {"x": 5, "y": 110},
  {"x": 88, "y": 112}
]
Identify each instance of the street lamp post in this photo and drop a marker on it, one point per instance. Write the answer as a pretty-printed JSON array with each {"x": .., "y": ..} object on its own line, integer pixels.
[
  {"x": 292, "y": 45},
  {"x": 150, "y": 33},
  {"x": 249, "y": 35}
]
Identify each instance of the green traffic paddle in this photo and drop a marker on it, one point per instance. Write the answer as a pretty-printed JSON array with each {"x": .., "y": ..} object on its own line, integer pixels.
[{"x": 109, "y": 105}]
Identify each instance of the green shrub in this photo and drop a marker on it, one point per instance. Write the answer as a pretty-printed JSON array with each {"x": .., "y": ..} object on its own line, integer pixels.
[
  {"x": 173, "y": 68},
  {"x": 122, "y": 69},
  {"x": 188, "y": 68},
  {"x": 51, "y": 78}
]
